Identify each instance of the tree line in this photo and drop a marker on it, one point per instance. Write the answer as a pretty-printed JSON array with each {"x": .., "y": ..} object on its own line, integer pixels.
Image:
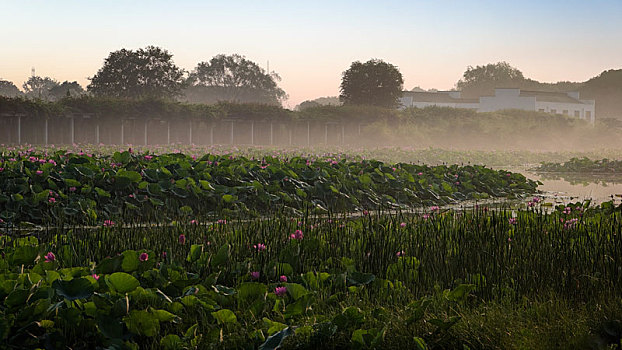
[{"x": 150, "y": 73}]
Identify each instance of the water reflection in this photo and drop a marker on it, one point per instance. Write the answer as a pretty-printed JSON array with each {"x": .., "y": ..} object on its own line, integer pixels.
[{"x": 577, "y": 187}]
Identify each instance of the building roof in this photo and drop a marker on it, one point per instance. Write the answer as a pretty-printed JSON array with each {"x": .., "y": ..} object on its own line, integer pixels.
[
  {"x": 544, "y": 96},
  {"x": 436, "y": 97}
]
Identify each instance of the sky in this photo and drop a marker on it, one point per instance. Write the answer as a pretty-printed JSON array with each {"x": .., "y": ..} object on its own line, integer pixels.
[{"x": 311, "y": 43}]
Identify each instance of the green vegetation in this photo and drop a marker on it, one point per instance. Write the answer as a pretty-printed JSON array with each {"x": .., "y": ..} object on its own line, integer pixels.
[
  {"x": 44, "y": 188},
  {"x": 139, "y": 74},
  {"x": 162, "y": 251},
  {"x": 373, "y": 83},
  {"x": 233, "y": 78},
  {"x": 583, "y": 165},
  {"x": 445, "y": 279}
]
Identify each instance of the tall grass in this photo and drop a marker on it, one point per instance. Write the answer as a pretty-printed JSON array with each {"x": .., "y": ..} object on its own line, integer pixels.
[{"x": 504, "y": 253}]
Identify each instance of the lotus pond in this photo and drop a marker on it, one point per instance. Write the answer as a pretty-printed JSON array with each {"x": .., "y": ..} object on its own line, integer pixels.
[{"x": 130, "y": 250}]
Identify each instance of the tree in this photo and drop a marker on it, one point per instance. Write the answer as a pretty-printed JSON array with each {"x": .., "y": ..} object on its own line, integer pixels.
[
  {"x": 318, "y": 102},
  {"x": 39, "y": 87},
  {"x": 8, "y": 89},
  {"x": 144, "y": 73},
  {"x": 234, "y": 79},
  {"x": 307, "y": 104},
  {"x": 66, "y": 89},
  {"x": 482, "y": 80},
  {"x": 606, "y": 89},
  {"x": 374, "y": 82}
]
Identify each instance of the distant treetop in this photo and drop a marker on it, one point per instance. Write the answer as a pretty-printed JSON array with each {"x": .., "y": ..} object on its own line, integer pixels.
[
  {"x": 374, "y": 83},
  {"x": 233, "y": 78},
  {"x": 144, "y": 73}
]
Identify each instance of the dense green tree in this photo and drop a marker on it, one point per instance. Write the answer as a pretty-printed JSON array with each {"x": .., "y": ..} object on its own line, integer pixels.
[
  {"x": 233, "y": 78},
  {"x": 606, "y": 89},
  {"x": 374, "y": 83},
  {"x": 482, "y": 80},
  {"x": 66, "y": 89},
  {"x": 39, "y": 87},
  {"x": 8, "y": 89},
  {"x": 144, "y": 73}
]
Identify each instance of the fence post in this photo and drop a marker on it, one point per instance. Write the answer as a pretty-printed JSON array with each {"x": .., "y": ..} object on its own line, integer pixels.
[
  {"x": 190, "y": 131},
  {"x": 325, "y": 134},
  {"x": 231, "y": 136}
]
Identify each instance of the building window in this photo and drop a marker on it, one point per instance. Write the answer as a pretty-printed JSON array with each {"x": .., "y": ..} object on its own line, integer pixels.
[
  {"x": 588, "y": 114},
  {"x": 541, "y": 110},
  {"x": 577, "y": 114},
  {"x": 554, "y": 111},
  {"x": 566, "y": 112}
]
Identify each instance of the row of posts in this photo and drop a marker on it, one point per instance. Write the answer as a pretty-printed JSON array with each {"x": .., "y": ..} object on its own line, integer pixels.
[{"x": 190, "y": 134}]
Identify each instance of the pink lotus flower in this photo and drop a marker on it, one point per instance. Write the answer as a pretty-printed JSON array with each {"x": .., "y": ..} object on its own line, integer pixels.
[
  {"x": 255, "y": 275},
  {"x": 163, "y": 255},
  {"x": 400, "y": 253},
  {"x": 283, "y": 278},
  {"x": 402, "y": 224},
  {"x": 49, "y": 257},
  {"x": 280, "y": 291},
  {"x": 72, "y": 189},
  {"x": 434, "y": 208},
  {"x": 298, "y": 235},
  {"x": 513, "y": 221},
  {"x": 1, "y": 170},
  {"x": 95, "y": 276},
  {"x": 182, "y": 239},
  {"x": 260, "y": 247},
  {"x": 425, "y": 216},
  {"x": 193, "y": 222},
  {"x": 108, "y": 223},
  {"x": 52, "y": 200},
  {"x": 143, "y": 257},
  {"x": 39, "y": 172}
]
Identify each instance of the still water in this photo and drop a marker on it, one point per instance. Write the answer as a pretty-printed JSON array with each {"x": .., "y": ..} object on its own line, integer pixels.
[{"x": 563, "y": 188}]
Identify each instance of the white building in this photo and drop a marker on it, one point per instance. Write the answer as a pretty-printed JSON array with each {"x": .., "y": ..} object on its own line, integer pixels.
[
  {"x": 422, "y": 99},
  {"x": 567, "y": 103}
]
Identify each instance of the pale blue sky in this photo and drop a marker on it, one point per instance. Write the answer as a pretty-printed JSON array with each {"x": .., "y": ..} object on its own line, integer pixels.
[{"x": 310, "y": 44}]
